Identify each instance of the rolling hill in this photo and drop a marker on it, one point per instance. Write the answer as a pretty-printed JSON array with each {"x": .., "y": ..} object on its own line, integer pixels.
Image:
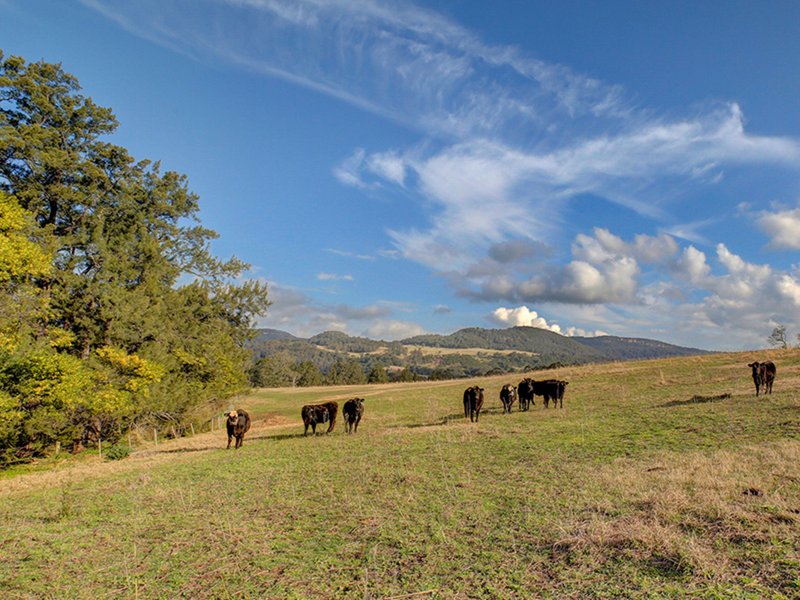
[{"x": 467, "y": 352}]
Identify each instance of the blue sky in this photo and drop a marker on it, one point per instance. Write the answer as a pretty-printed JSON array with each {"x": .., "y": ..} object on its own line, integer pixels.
[{"x": 394, "y": 168}]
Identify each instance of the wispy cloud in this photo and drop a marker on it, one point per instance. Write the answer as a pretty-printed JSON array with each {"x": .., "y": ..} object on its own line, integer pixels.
[
  {"x": 296, "y": 311},
  {"x": 507, "y": 142},
  {"x": 348, "y": 254},
  {"x": 333, "y": 277}
]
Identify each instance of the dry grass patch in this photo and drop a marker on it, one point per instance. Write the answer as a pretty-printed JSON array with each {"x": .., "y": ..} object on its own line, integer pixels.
[{"x": 722, "y": 518}]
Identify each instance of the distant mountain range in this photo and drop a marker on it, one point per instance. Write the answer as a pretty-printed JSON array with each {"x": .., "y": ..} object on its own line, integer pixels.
[{"x": 467, "y": 352}]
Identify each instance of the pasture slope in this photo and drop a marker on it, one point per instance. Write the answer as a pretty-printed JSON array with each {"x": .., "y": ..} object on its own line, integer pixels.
[{"x": 633, "y": 490}]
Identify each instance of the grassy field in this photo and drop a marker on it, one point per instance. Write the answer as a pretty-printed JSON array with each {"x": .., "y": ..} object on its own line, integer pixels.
[{"x": 635, "y": 489}]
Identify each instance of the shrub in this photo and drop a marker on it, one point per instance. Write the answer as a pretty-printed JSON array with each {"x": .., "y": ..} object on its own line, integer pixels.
[{"x": 118, "y": 452}]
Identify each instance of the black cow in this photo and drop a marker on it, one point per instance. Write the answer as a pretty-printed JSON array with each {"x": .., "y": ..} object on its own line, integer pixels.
[
  {"x": 525, "y": 393},
  {"x": 508, "y": 395},
  {"x": 763, "y": 375},
  {"x": 352, "y": 411},
  {"x": 238, "y": 424},
  {"x": 473, "y": 402},
  {"x": 551, "y": 389},
  {"x": 319, "y": 413},
  {"x": 561, "y": 387}
]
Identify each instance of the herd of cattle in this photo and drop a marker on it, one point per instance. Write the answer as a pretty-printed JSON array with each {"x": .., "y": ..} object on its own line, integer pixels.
[
  {"x": 549, "y": 389},
  {"x": 524, "y": 393}
]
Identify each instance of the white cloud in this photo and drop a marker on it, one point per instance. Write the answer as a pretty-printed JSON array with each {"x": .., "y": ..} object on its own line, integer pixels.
[
  {"x": 692, "y": 265},
  {"x": 783, "y": 227},
  {"x": 508, "y": 141},
  {"x": 348, "y": 254},
  {"x": 524, "y": 317},
  {"x": 333, "y": 277},
  {"x": 393, "y": 330},
  {"x": 389, "y": 166}
]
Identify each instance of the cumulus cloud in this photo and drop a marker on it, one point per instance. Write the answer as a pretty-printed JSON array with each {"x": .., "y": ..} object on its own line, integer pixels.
[
  {"x": 522, "y": 316},
  {"x": 783, "y": 228}
]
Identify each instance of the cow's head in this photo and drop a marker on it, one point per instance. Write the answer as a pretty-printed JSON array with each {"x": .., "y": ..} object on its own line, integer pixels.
[{"x": 233, "y": 416}]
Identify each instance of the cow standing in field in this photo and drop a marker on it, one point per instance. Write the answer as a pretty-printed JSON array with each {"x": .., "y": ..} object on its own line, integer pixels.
[
  {"x": 314, "y": 414},
  {"x": 560, "y": 389},
  {"x": 508, "y": 395},
  {"x": 525, "y": 393},
  {"x": 352, "y": 411},
  {"x": 763, "y": 375},
  {"x": 551, "y": 389},
  {"x": 473, "y": 402},
  {"x": 238, "y": 424}
]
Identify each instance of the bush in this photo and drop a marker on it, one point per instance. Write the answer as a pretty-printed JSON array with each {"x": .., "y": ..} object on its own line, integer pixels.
[{"x": 118, "y": 452}]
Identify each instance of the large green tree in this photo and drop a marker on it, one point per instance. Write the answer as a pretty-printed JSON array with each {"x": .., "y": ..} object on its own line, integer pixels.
[{"x": 119, "y": 236}]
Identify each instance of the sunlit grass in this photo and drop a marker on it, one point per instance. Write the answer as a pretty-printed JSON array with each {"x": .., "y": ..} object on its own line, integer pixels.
[{"x": 631, "y": 490}]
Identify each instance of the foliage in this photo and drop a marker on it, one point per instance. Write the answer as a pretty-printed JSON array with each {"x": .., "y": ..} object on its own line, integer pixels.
[
  {"x": 118, "y": 452},
  {"x": 96, "y": 331},
  {"x": 274, "y": 371},
  {"x": 345, "y": 372},
  {"x": 377, "y": 375},
  {"x": 308, "y": 374},
  {"x": 405, "y": 375}
]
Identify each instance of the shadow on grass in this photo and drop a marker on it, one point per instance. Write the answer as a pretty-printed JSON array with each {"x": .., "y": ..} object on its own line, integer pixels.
[
  {"x": 176, "y": 450},
  {"x": 695, "y": 400},
  {"x": 292, "y": 436},
  {"x": 452, "y": 418}
]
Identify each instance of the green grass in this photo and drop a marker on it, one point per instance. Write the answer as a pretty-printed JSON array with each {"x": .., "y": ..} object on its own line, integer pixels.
[{"x": 630, "y": 490}]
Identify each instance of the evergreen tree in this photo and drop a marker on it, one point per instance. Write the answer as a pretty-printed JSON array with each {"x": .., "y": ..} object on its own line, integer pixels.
[
  {"x": 274, "y": 371},
  {"x": 346, "y": 372},
  {"x": 308, "y": 374},
  {"x": 103, "y": 332},
  {"x": 377, "y": 375}
]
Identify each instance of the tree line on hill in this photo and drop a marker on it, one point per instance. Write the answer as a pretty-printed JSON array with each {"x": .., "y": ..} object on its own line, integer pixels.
[
  {"x": 334, "y": 358},
  {"x": 98, "y": 331}
]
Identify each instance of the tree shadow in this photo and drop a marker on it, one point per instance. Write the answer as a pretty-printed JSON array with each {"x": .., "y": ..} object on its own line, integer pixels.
[{"x": 695, "y": 400}]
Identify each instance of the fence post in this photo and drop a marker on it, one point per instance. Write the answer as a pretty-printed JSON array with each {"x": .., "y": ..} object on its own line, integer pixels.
[
  {"x": 155, "y": 436},
  {"x": 192, "y": 426}
]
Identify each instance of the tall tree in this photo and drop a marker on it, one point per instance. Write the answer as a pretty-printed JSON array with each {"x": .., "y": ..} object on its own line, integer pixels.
[
  {"x": 778, "y": 337},
  {"x": 119, "y": 234}
]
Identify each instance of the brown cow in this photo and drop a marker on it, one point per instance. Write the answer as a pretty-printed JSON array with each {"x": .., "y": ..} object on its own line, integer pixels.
[
  {"x": 473, "y": 402},
  {"x": 352, "y": 411},
  {"x": 319, "y": 413},
  {"x": 508, "y": 395},
  {"x": 238, "y": 424},
  {"x": 763, "y": 375}
]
